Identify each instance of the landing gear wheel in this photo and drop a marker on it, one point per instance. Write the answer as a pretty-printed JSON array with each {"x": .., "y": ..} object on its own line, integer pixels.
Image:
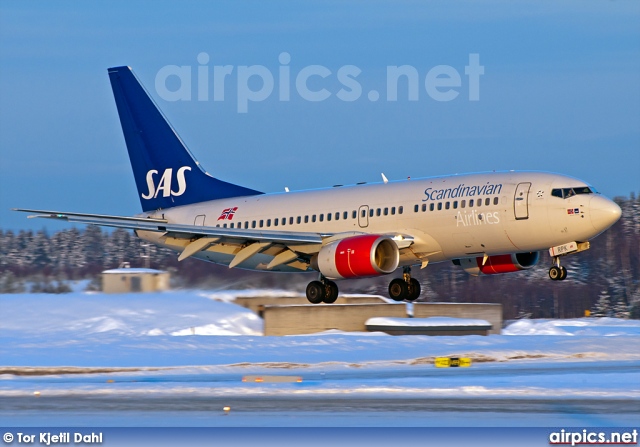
[
  {"x": 315, "y": 292},
  {"x": 398, "y": 289},
  {"x": 555, "y": 273},
  {"x": 414, "y": 290},
  {"x": 563, "y": 274},
  {"x": 330, "y": 292}
]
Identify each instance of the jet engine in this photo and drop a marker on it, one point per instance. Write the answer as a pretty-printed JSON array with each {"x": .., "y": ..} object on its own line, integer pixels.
[
  {"x": 498, "y": 264},
  {"x": 358, "y": 257}
]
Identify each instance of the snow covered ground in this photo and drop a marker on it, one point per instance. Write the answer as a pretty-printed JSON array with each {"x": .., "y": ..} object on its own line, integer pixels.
[{"x": 191, "y": 345}]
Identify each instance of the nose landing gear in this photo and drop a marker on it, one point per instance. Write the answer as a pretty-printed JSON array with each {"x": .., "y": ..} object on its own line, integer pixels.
[
  {"x": 405, "y": 288},
  {"x": 557, "y": 272}
]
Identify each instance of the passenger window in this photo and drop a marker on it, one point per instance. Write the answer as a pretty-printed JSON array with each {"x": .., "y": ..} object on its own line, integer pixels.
[
  {"x": 447, "y": 205},
  {"x": 268, "y": 222},
  {"x": 291, "y": 220},
  {"x": 415, "y": 208},
  {"x": 386, "y": 211},
  {"x": 479, "y": 202},
  {"x": 371, "y": 211},
  {"x": 462, "y": 203},
  {"x": 231, "y": 226},
  {"x": 495, "y": 200},
  {"x": 455, "y": 204},
  {"x": 328, "y": 217},
  {"x": 487, "y": 201},
  {"x": 424, "y": 207},
  {"x": 470, "y": 203},
  {"x": 393, "y": 210},
  {"x": 253, "y": 224},
  {"x": 313, "y": 218},
  {"x": 298, "y": 220},
  {"x": 364, "y": 213},
  {"x": 439, "y": 206},
  {"x": 431, "y": 207},
  {"x": 246, "y": 225},
  {"x": 355, "y": 214},
  {"x": 345, "y": 215},
  {"x": 261, "y": 223},
  {"x": 284, "y": 221},
  {"x": 224, "y": 225},
  {"x": 400, "y": 209},
  {"x": 275, "y": 222},
  {"x": 306, "y": 219},
  {"x": 378, "y": 212}
]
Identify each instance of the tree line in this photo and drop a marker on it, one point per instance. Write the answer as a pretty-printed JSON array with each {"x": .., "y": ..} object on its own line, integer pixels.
[{"x": 604, "y": 280}]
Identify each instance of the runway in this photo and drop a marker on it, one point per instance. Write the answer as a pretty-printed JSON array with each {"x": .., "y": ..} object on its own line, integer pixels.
[{"x": 393, "y": 396}]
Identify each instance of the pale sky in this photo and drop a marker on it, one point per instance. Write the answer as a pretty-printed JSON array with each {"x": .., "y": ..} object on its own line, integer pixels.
[{"x": 560, "y": 92}]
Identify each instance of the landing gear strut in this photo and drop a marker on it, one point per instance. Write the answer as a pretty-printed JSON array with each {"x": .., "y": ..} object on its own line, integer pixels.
[
  {"x": 405, "y": 288},
  {"x": 557, "y": 272},
  {"x": 322, "y": 291}
]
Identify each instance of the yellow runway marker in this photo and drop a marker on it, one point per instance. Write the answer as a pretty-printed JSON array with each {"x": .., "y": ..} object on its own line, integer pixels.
[
  {"x": 272, "y": 379},
  {"x": 452, "y": 362}
]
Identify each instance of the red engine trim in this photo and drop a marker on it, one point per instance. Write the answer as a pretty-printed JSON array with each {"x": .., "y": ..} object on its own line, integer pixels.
[
  {"x": 353, "y": 256},
  {"x": 358, "y": 257},
  {"x": 498, "y": 264}
]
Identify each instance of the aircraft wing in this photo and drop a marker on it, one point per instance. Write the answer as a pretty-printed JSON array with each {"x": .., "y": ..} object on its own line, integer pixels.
[
  {"x": 286, "y": 246},
  {"x": 163, "y": 226}
]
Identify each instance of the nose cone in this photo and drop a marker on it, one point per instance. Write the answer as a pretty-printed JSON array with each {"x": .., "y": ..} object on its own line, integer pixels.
[{"x": 603, "y": 212}]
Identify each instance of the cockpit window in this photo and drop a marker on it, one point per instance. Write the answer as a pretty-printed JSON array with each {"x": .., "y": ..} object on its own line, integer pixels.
[
  {"x": 556, "y": 192},
  {"x": 583, "y": 190},
  {"x": 565, "y": 193}
]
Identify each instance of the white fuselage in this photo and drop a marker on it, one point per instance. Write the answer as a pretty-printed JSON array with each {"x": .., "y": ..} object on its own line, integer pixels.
[{"x": 449, "y": 217}]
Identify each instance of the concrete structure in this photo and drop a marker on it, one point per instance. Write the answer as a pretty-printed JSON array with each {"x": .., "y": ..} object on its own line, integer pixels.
[
  {"x": 258, "y": 303},
  {"x": 485, "y": 311},
  {"x": 309, "y": 319},
  {"x": 429, "y": 326},
  {"x": 127, "y": 280}
]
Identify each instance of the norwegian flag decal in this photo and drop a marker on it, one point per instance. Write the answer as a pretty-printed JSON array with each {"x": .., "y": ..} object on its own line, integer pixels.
[
  {"x": 228, "y": 213},
  {"x": 570, "y": 211}
]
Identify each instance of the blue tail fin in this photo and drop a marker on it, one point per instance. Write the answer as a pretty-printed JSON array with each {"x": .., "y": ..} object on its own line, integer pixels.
[{"x": 166, "y": 173}]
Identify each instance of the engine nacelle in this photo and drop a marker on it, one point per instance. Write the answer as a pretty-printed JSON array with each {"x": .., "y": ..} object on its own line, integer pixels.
[
  {"x": 358, "y": 257},
  {"x": 498, "y": 264}
]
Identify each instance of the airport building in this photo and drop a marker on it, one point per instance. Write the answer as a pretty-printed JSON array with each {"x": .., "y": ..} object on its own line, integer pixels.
[{"x": 127, "y": 280}]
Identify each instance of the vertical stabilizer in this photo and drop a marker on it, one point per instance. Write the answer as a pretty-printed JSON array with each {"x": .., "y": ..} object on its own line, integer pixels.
[{"x": 165, "y": 172}]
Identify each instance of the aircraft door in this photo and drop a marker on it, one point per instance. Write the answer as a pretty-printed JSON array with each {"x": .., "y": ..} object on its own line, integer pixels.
[
  {"x": 199, "y": 220},
  {"x": 363, "y": 216},
  {"x": 521, "y": 201}
]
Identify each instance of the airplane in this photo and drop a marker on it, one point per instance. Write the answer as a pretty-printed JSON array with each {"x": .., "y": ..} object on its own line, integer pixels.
[{"x": 486, "y": 223}]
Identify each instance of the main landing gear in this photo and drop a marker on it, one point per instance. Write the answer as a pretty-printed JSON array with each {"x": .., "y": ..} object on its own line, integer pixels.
[
  {"x": 323, "y": 291},
  {"x": 405, "y": 288},
  {"x": 557, "y": 272}
]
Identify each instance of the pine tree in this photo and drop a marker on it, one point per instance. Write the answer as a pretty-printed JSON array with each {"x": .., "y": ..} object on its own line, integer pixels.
[
  {"x": 621, "y": 309},
  {"x": 603, "y": 307}
]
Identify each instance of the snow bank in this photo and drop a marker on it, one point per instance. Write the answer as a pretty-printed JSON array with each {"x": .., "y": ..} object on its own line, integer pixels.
[
  {"x": 181, "y": 328},
  {"x": 128, "y": 314},
  {"x": 577, "y": 326}
]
